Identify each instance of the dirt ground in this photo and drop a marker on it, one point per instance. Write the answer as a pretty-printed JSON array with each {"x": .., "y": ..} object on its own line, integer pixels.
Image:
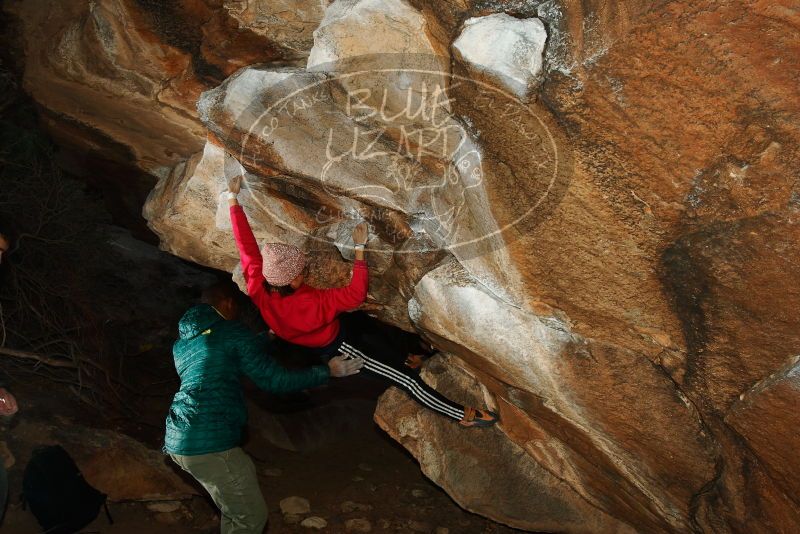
[{"x": 330, "y": 453}]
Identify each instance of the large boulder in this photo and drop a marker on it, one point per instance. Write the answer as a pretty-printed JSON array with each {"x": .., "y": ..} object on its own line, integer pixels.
[
  {"x": 610, "y": 253},
  {"x": 542, "y": 500},
  {"x": 119, "y": 466},
  {"x": 585, "y": 396}
]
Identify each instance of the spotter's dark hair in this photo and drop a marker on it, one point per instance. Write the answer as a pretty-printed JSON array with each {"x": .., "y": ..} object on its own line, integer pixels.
[
  {"x": 220, "y": 291},
  {"x": 283, "y": 291}
]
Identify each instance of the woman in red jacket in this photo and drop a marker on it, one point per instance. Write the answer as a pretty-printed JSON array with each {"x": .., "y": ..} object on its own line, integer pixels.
[{"x": 309, "y": 317}]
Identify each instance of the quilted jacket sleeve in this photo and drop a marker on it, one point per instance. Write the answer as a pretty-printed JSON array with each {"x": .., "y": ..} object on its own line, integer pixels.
[{"x": 256, "y": 363}]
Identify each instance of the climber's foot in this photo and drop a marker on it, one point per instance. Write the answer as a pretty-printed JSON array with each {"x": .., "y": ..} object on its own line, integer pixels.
[
  {"x": 476, "y": 417},
  {"x": 415, "y": 361},
  {"x": 427, "y": 348}
]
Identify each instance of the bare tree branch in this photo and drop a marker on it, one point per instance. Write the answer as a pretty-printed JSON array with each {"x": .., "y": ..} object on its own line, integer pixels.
[{"x": 52, "y": 362}]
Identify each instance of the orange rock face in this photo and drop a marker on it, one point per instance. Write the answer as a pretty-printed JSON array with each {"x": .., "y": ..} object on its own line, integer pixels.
[
  {"x": 130, "y": 72},
  {"x": 611, "y": 263}
]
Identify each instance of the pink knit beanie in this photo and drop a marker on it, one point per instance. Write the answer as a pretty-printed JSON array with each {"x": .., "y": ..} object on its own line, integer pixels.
[{"x": 282, "y": 263}]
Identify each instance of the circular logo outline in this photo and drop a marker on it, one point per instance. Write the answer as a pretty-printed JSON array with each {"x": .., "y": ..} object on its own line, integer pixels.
[{"x": 561, "y": 159}]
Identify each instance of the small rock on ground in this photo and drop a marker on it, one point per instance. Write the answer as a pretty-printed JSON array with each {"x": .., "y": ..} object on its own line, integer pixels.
[
  {"x": 271, "y": 472},
  {"x": 164, "y": 507},
  {"x": 295, "y": 506},
  {"x": 314, "y": 522}
]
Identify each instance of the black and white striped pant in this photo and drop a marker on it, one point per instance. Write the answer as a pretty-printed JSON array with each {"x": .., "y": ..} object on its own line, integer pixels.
[
  {"x": 404, "y": 378},
  {"x": 384, "y": 359}
]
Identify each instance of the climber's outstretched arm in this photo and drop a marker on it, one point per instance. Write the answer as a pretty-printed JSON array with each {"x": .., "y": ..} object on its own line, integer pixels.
[{"x": 246, "y": 243}]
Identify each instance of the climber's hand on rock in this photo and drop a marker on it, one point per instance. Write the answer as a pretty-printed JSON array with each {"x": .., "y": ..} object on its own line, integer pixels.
[
  {"x": 342, "y": 366},
  {"x": 8, "y": 404},
  {"x": 235, "y": 184},
  {"x": 361, "y": 234}
]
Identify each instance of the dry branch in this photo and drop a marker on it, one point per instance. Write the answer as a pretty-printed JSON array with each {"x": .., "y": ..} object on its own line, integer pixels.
[{"x": 46, "y": 360}]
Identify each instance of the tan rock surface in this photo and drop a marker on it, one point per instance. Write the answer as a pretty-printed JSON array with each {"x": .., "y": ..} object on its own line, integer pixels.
[
  {"x": 588, "y": 397},
  {"x": 102, "y": 66},
  {"x": 507, "y": 49},
  {"x": 114, "y": 463},
  {"x": 289, "y": 24},
  {"x": 395, "y": 27},
  {"x": 767, "y": 418},
  {"x": 126, "y": 75},
  {"x": 620, "y": 274},
  {"x": 456, "y": 458}
]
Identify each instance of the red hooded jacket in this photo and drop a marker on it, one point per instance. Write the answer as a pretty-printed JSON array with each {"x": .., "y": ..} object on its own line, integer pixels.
[{"x": 308, "y": 316}]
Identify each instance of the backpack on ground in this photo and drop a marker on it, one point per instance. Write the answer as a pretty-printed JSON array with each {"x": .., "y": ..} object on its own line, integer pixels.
[{"x": 54, "y": 488}]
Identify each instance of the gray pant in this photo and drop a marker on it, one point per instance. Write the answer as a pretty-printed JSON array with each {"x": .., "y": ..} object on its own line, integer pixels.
[{"x": 230, "y": 478}]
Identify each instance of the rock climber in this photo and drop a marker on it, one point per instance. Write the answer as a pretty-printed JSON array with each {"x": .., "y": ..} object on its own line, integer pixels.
[
  {"x": 310, "y": 317},
  {"x": 207, "y": 415}
]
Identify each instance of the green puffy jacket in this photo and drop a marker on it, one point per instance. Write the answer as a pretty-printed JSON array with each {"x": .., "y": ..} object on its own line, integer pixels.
[{"x": 208, "y": 412}]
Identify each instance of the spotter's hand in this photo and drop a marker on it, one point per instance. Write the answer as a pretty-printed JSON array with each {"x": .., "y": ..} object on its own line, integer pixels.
[{"x": 341, "y": 366}]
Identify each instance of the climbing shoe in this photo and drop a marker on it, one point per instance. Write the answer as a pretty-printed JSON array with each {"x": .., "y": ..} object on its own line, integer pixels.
[
  {"x": 476, "y": 417},
  {"x": 415, "y": 361}
]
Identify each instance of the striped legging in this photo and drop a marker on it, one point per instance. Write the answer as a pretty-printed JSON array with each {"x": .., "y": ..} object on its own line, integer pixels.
[
  {"x": 384, "y": 354},
  {"x": 407, "y": 380}
]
